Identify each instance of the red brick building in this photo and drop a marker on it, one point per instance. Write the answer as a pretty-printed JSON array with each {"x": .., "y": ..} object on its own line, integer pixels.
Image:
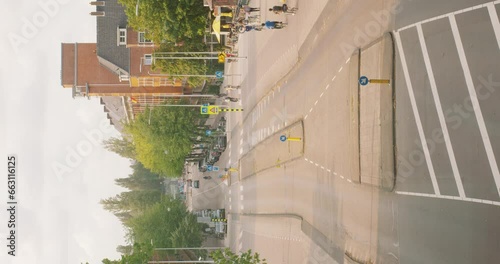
[{"x": 119, "y": 64}]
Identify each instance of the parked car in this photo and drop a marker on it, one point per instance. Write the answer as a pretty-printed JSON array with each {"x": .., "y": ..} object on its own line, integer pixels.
[{"x": 196, "y": 184}]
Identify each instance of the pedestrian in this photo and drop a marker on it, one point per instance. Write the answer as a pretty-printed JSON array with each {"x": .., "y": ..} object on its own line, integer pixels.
[
  {"x": 249, "y": 9},
  {"x": 277, "y": 9},
  {"x": 273, "y": 24},
  {"x": 283, "y": 9}
]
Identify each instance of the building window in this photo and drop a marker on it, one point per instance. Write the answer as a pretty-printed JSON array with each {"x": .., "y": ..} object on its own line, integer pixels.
[
  {"x": 122, "y": 36},
  {"x": 148, "y": 59},
  {"x": 143, "y": 39}
]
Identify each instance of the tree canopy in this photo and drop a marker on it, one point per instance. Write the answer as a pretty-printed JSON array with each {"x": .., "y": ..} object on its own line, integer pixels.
[
  {"x": 168, "y": 20},
  {"x": 164, "y": 137}
]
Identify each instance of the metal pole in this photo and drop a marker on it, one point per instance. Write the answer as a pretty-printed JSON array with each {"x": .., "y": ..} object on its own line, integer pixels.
[
  {"x": 186, "y": 95},
  {"x": 181, "y": 261},
  {"x": 181, "y": 75},
  {"x": 188, "y": 52},
  {"x": 189, "y": 248},
  {"x": 186, "y": 58}
]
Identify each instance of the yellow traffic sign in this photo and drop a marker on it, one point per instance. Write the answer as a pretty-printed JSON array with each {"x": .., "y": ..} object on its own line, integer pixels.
[
  {"x": 222, "y": 57},
  {"x": 210, "y": 110}
]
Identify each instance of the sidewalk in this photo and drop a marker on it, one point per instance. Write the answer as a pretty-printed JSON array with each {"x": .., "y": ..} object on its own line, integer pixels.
[{"x": 376, "y": 113}]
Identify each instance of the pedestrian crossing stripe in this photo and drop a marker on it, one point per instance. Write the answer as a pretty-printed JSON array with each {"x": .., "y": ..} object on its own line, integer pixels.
[{"x": 231, "y": 109}]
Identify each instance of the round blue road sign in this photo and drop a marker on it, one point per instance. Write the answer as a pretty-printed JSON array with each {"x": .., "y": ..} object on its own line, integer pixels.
[
  {"x": 283, "y": 138},
  {"x": 363, "y": 80}
]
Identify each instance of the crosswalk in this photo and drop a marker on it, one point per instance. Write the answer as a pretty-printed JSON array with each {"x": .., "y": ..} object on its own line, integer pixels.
[{"x": 416, "y": 47}]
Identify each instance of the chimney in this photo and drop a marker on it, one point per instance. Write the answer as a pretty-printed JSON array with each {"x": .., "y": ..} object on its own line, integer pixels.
[
  {"x": 98, "y": 3},
  {"x": 97, "y": 13}
]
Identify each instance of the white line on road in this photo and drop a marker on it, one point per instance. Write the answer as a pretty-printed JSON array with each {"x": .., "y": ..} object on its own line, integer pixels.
[
  {"x": 321, "y": 95},
  {"x": 439, "y": 109},
  {"x": 475, "y": 103},
  {"x": 449, "y": 14},
  {"x": 333, "y": 78},
  {"x": 494, "y": 21},
  {"x": 328, "y": 170},
  {"x": 447, "y": 197},
  {"x": 315, "y": 103},
  {"x": 305, "y": 117},
  {"x": 310, "y": 110},
  {"x": 349, "y": 180},
  {"x": 347, "y": 60},
  {"x": 327, "y": 86},
  {"x": 416, "y": 114}
]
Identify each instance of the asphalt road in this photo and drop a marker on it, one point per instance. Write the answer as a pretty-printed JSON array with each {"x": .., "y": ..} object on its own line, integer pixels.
[{"x": 445, "y": 206}]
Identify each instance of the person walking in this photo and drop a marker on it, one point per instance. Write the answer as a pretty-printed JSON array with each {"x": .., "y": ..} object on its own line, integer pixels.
[
  {"x": 283, "y": 9},
  {"x": 273, "y": 24},
  {"x": 250, "y": 9}
]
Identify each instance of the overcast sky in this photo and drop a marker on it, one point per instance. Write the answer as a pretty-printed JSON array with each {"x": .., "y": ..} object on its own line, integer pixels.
[{"x": 59, "y": 218}]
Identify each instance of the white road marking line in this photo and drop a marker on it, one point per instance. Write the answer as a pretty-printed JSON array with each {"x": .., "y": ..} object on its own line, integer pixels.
[
  {"x": 328, "y": 170},
  {"x": 347, "y": 60},
  {"x": 494, "y": 21},
  {"x": 416, "y": 114},
  {"x": 229, "y": 193},
  {"x": 316, "y": 164},
  {"x": 322, "y": 167},
  {"x": 241, "y": 187},
  {"x": 334, "y": 173},
  {"x": 306, "y": 159},
  {"x": 310, "y": 110},
  {"x": 305, "y": 117},
  {"x": 311, "y": 162},
  {"x": 241, "y": 197},
  {"x": 475, "y": 103},
  {"x": 327, "y": 86},
  {"x": 315, "y": 103},
  {"x": 439, "y": 108},
  {"x": 341, "y": 68},
  {"x": 449, "y": 14},
  {"x": 321, "y": 95},
  {"x": 349, "y": 180},
  {"x": 334, "y": 77},
  {"x": 342, "y": 177},
  {"x": 448, "y": 197}
]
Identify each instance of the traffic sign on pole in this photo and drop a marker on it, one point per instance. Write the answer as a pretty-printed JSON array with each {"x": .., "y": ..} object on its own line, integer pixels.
[
  {"x": 363, "y": 80},
  {"x": 209, "y": 110}
]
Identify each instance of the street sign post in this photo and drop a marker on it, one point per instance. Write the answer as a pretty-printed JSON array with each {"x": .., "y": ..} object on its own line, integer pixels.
[
  {"x": 209, "y": 110},
  {"x": 221, "y": 57},
  {"x": 363, "y": 80}
]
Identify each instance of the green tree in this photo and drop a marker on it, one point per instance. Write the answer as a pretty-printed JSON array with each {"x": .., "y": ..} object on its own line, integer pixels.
[
  {"x": 160, "y": 221},
  {"x": 120, "y": 146},
  {"x": 228, "y": 257},
  {"x": 168, "y": 20},
  {"x": 163, "y": 140},
  {"x": 141, "y": 254},
  {"x": 141, "y": 179}
]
